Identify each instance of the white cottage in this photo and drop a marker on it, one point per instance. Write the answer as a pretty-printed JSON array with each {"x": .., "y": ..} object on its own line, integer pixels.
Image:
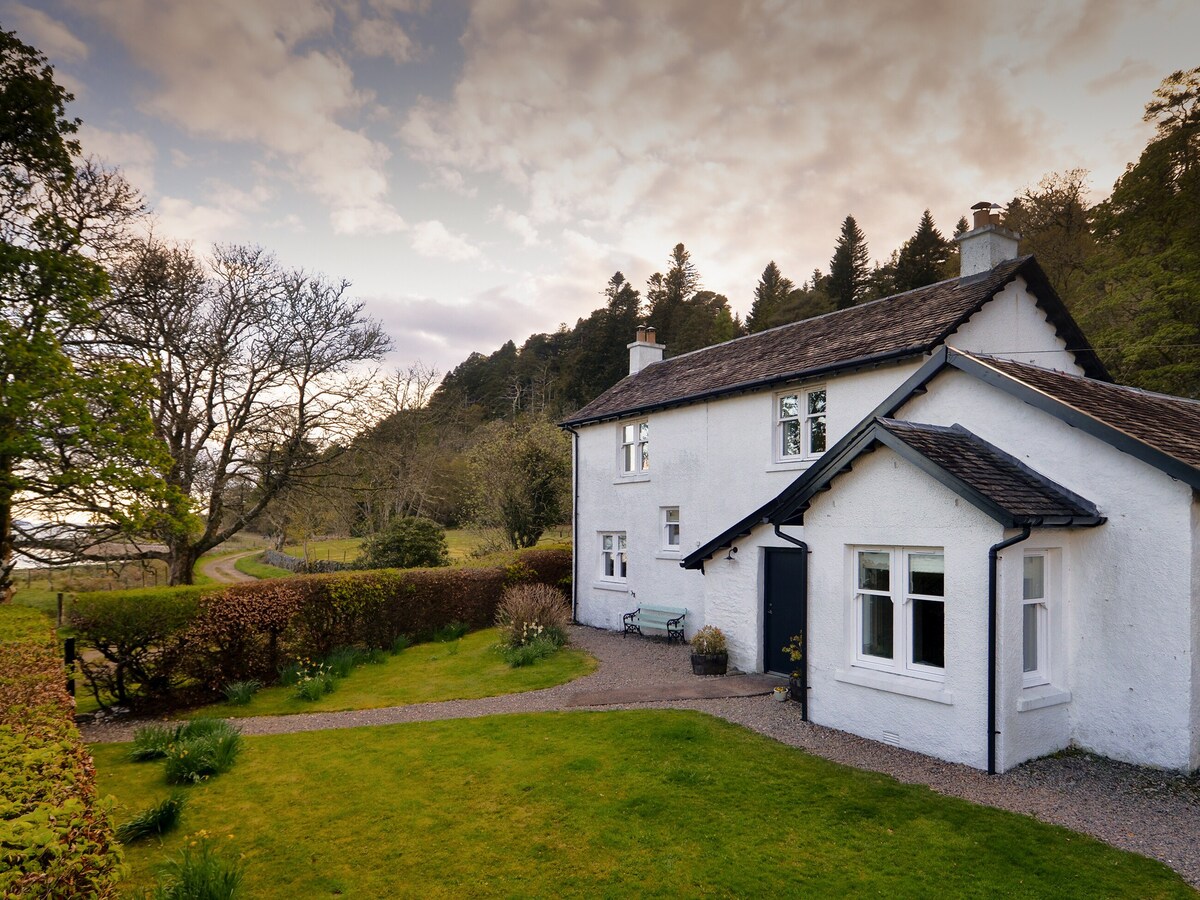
[{"x": 990, "y": 550}]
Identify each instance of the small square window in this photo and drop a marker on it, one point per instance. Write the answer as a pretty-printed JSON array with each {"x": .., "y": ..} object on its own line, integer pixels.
[{"x": 670, "y": 528}]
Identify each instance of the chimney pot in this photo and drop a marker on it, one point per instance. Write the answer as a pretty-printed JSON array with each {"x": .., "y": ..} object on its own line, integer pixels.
[
  {"x": 988, "y": 243},
  {"x": 651, "y": 331},
  {"x": 641, "y": 334}
]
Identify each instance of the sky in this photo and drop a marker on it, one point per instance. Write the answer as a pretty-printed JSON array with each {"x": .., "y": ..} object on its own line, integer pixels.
[{"x": 479, "y": 170}]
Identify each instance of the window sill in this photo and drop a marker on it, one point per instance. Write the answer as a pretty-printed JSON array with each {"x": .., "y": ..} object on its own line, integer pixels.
[
  {"x": 669, "y": 554},
  {"x": 631, "y": 479},
  {"x": 896, "y": 684},
  {"x": 621, "y": 586},
  {"x": 1042, "y": 696},
  {"x": 791, "y": 465}
]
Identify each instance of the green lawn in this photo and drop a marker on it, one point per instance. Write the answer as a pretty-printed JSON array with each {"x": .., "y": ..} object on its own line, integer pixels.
[
  {"x": 459, "y": 670},
  {"x": 254, "y": 566},
  {"x": 460, "y": 541},
  {"x": 612, "y": 804}
]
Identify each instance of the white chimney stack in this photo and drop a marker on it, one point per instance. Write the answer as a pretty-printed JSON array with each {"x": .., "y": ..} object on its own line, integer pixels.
[
  {"x": 644, "y": 350},
  {"x": 987, "y": 244}
]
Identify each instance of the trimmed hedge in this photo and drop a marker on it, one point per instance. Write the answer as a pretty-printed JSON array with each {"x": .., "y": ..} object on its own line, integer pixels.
[
  {"x": 247, "y": 631},
  {"x": 56, "y": 838}
]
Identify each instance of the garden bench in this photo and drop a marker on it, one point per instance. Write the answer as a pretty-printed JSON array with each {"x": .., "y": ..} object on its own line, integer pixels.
[{"x": 661, "y": 618}]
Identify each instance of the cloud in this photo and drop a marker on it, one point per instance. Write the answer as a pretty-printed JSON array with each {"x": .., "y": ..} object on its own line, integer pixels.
[
  {"x": 227, "y": 209},
  {"x": 432, "y": 239},
  {"x": 1130, "y": 70},
  {"x": 746, "y": 130},
  {"x": 383, "y": 37},
  {"x": 133, "y": 153},
  {"x": 518, "y": 224},
  {"x": 256, "y": 72},
  {"x": 48, "y": 34}
]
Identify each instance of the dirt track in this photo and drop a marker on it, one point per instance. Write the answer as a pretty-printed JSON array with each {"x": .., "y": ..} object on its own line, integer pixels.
[{"x": 222, "y": 569}]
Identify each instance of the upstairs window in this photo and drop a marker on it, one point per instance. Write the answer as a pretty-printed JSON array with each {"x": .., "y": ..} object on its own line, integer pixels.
[
  {"x": 614, "y": 564},
  {"x": 635, "y": 448},
  {"x": 800, "y": 424},
  {"x": 670, "y": 529}
]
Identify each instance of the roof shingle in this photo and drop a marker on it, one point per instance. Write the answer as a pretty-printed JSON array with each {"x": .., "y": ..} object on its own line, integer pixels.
[{"x": 894, "y": 327}]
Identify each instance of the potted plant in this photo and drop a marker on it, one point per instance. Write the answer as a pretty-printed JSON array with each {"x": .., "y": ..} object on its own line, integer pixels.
[
  {"x": 794, "y": 649},
  {"x": 710, "y": 655}
]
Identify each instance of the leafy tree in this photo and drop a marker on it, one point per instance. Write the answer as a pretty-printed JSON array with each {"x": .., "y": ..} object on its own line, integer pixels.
[
  {"x": 520, "y": 472},
  {"x": 599, "y": 360},
  {"x": 770, "y": 295},
  {"x": 849, "y": 272},
  {"x": 1055, "y": 225},
  {"x": 1143, "y": 300},
  {"x": 75, "y": 440},
  {"x": 254, "y": 368},
  {"x": 406, "y": 544},
  {"x": 922, "y": 260}
]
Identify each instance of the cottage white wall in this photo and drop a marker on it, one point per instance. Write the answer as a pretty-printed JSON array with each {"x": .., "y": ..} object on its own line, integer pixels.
[
  {"x": 887, "y": 502},
  {"x": 1012, "y": 326},
  {"x": 715, "y": 461},
  {"x": 1130, "y": 631},
  {"x": 1195, "y": 763}
]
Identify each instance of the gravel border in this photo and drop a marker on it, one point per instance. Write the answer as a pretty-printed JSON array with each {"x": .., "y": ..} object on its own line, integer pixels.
[{"x": 1147, "y": 811}]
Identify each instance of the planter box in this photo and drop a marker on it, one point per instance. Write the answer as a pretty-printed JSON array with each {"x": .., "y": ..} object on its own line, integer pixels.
[{"x": 709, "y": 663}]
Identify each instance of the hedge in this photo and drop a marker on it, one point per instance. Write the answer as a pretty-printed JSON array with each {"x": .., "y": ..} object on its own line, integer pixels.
[
  {"x": 56, "y": 837},
  {"x": 247, "y": 631}
]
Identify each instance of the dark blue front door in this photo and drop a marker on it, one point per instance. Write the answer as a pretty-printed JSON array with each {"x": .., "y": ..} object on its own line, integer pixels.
[{"x": 785, "y": 598}]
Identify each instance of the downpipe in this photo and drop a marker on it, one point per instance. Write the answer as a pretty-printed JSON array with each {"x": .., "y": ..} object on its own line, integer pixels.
[
  {"x": 804, "y": 634},
  {"x": 993, "y": 633}
]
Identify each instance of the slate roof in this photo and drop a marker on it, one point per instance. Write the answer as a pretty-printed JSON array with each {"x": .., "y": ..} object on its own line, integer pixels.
[
  {"x": 893, "y": 328},
  {"x": 1013, "y": 487},
  {"x": 1168, "y": 424}
]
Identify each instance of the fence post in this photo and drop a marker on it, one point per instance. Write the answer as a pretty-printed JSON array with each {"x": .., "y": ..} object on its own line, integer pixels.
[
  {"x": 60, "y": 609},
  {"x": 69, "y": 659}
]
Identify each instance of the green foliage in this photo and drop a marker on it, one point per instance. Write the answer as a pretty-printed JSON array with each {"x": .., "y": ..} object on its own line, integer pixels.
[
  {"x": 139, "y": 635},
  {"x": 407, "y": 543},
  {"x": 151, "y": 742},
  {"x": 155, "y": 821},
  {"x": 199, "y": 872},
  {"x": 530, "y": 651},
  {"x": 239, "y": 693},
  {"x": 923, "y": 257},
  {"x": 204, "y": 748},
  {"x": 56, "y": 835},
  {"x": 521, "y": 472},
  {"x": 849, "y": 269},
  {"x": 770, "y": 296},
  {"x": 709, "y": 640},
  {"x": 400, "y": 644},
  {"x": 449, "y": 632},
  {"x": 314, "y": 683}
]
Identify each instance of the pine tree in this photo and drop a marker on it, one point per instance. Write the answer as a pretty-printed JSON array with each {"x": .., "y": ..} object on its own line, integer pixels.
[
  {"x": 849, "y": 268},
  {"x": 769, "y": 296},
  {"x": 666, "y": 294},
  {"x": 922, "y": 259}
]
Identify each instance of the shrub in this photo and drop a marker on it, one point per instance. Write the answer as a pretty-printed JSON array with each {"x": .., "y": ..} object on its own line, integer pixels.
[
  {"x": 341, "y": 662},
  {"x": 529, "y": 612},
  {"x": 153, "y": 822},
  {"x": 151, "y": 742},
  {"x": 400, "y": 644},
  {"x": 239, "y": 693},
  {"x": 531, "y": 651},
  {"x": 205, "y": 747},
  {"x": 407, "y": 543},
  {"x": 314, "y": 683},
  {"x": 709, "y": 641},
  {"x": 138, "y": 634},
  {"x": 199, "y": 872},
  {"x": 450, "y": 632},
  {"x": 57, "y": 838}
]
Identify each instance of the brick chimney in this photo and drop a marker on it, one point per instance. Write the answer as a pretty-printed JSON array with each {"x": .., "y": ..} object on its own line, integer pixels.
[
  {"x": 987, "y": 244},
  {"x": 644, "y": 351}
]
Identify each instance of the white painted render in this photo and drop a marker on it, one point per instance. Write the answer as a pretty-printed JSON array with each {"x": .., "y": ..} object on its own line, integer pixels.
[
  {"x": 982, "y": 249},
  {"x": 1129, "y": 623}
]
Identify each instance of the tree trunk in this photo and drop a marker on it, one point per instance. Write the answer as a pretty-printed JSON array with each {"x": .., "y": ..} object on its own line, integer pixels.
[
  {"x": 180, "y": 564},
  {"x": 7, "y": 587}
]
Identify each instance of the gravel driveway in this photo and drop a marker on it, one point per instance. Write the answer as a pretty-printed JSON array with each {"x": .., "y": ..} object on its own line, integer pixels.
[{"x": 1147, "y": 811}]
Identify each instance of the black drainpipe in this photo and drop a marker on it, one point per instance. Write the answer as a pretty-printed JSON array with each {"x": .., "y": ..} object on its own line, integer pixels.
[
  {"x": 574, "y": 519},
  {"x": 803, "y": 634},
  {"x": 993, "y": 604}
]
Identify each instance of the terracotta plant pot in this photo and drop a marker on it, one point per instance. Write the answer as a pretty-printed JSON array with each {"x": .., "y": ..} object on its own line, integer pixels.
[{"x": 710, "y": 663}]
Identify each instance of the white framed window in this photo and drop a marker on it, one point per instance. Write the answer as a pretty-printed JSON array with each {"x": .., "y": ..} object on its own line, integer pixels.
[
  {"x": 1035, "y": 619},
  {"x": 614, "y": 563},
  {"x": 670, "y": 529},
  {"x": 800, "y": 424},
  {"x": 899, "y": 616},
  {"x": 635, "y": 448}
]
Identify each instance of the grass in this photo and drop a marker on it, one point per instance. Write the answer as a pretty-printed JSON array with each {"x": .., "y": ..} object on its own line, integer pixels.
[
  {"x": 255, "y": 567},
  {"x": 459, "y": 670},
  {"x": 545, "y": 805},
  {"x": 460, "y": 541}
]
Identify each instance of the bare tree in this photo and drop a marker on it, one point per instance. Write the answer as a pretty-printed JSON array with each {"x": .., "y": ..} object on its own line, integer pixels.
[{"x": 257, "y": 368}]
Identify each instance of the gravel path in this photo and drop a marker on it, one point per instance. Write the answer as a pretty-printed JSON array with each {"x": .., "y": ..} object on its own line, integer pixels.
[
  {"x": 1147, "y": 811},
  {"x": 223, "y": 569}
]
